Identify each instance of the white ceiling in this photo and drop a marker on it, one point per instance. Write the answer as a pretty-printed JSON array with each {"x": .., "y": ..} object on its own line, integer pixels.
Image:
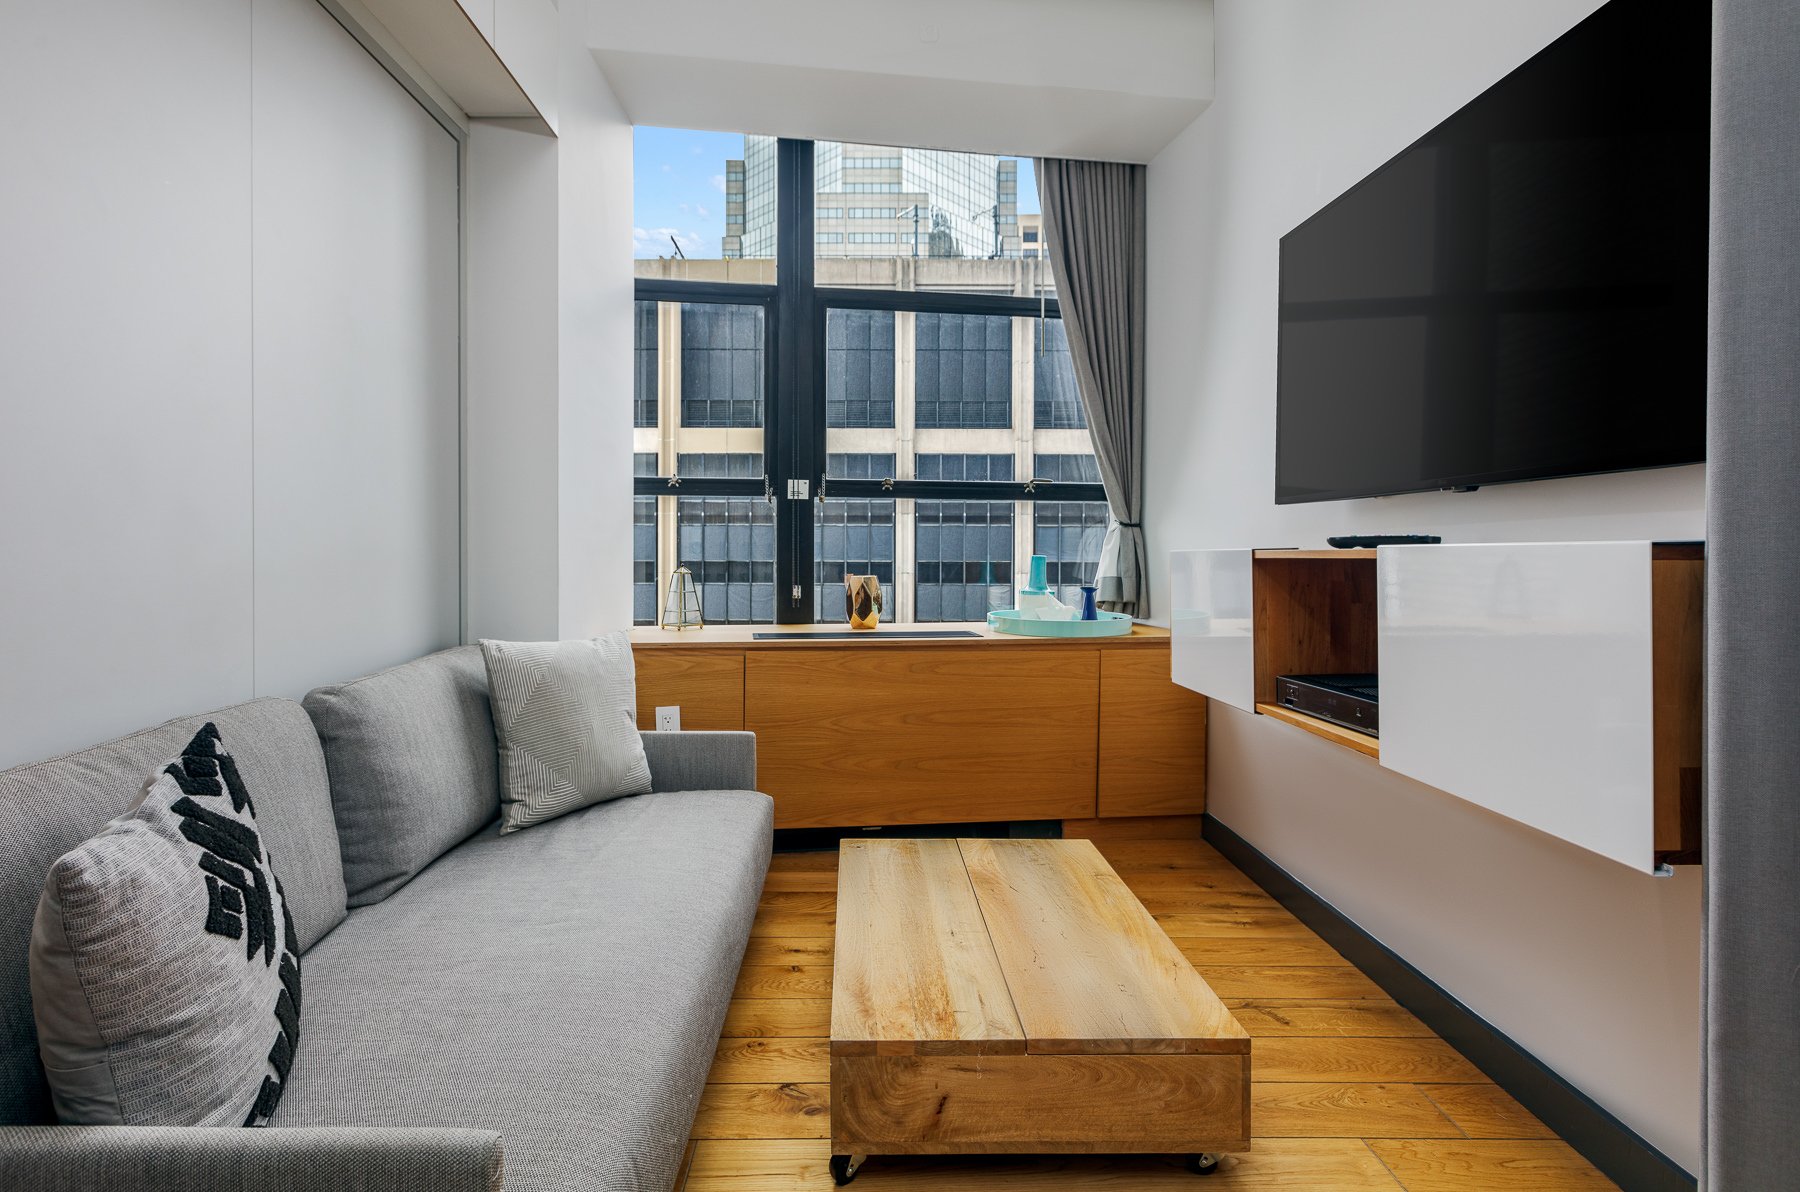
[{"x": 1106, "y": 79}]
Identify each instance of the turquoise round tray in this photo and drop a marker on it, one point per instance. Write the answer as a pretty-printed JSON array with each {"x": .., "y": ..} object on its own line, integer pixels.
[{"x": 1109, "y": 625}]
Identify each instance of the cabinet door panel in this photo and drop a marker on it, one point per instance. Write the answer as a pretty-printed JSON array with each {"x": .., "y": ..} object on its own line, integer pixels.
[
  {"x": 916, "y": 736},
  {"x": 1152, "y": 738},
  {"x": 1210, "y": 626},
  {"x": 1518, "y": 677},
  {"x": 708, "y": 687}
]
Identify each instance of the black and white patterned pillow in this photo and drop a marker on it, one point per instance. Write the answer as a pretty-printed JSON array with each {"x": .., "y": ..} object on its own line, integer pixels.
[{"x": 165, "y": 977}]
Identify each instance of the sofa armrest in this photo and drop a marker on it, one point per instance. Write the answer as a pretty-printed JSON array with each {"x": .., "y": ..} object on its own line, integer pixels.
[
  {"x": 224, "y": 1159},
  {"x": 701, "y": 761}
]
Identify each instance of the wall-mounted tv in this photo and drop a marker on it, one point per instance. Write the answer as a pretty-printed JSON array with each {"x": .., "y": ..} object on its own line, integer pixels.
[{"x": 1522, "y": 292}]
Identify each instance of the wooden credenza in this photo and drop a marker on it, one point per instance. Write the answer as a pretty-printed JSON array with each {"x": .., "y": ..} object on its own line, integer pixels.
[{"x": 885, "y": 729}]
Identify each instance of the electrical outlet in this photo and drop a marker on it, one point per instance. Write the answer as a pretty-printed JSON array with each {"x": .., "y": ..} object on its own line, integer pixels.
[{"x": 668, "y": 720}]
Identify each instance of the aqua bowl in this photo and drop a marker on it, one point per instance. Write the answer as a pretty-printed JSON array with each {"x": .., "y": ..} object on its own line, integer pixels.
[{"x": 1009, "y": 621}]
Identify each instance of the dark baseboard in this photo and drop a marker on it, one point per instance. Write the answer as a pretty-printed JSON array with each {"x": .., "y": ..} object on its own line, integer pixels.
[{"x": 1603, "y": 1139}]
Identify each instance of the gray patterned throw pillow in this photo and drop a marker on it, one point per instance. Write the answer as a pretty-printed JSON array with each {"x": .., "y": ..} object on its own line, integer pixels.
[
  {"x": 165, "y": 977},
  {"x": 566, "y": 717}
]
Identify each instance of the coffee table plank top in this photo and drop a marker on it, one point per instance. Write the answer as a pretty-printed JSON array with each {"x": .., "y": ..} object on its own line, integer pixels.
[
  {"x": 1089, "y": 970},
  {"x": 915, "y": 972}
]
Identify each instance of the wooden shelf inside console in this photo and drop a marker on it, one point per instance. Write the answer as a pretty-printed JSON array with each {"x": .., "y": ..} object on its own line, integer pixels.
[{"x": 1338, "y": 735}]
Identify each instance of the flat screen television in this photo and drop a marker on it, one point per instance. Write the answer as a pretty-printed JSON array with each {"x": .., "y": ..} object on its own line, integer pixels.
[{"x": 1519, "y": 294}]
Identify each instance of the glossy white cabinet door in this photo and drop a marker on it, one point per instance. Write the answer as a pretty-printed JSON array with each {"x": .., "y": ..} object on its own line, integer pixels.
[
  {"x": 1518, "y": 677},
  {"x": 1211, "y": 646}
]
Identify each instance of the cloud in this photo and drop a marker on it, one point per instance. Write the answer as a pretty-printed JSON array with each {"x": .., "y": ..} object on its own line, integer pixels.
[
  {"x": 654, "y": 242},
  {"x": 685, "y": 209},
  {"x": 700, "y": 210},
  {"x": 667, "y": 168},
  {"x": 699, "y": 149},
  {"x": 718, "y": 182}
]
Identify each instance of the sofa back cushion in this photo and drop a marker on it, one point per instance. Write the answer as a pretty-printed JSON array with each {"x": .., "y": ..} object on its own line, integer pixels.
[
  {"x": 49, "y": 807},
  {"x": 412, "y": 760}
]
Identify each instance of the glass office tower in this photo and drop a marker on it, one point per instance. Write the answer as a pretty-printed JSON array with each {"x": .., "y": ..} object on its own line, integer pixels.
[{"x": 880, "y": 201}]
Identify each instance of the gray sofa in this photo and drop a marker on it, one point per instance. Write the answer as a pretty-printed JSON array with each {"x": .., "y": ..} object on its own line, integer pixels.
[{"x": 530, "y": 1012}]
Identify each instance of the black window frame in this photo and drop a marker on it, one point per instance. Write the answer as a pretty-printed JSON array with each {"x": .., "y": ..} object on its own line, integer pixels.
[{"x": 794, "y": 414}]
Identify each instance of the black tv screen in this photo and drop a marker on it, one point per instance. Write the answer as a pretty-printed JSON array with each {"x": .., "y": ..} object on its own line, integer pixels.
[{"x": 1522, "y": 292}]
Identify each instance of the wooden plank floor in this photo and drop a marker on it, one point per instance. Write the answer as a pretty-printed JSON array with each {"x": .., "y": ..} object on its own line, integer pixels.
[{"x": 1350, "y": 1091}]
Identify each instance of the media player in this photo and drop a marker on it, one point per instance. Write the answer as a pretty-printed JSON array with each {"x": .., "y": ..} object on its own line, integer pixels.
[{"x": 1347, "y": 700}]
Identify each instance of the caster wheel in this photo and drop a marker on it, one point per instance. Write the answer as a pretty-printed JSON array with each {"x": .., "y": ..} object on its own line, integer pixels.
[
  {"x": 844, "y": 1168},
  {"x": 1203, "y": 1164}
]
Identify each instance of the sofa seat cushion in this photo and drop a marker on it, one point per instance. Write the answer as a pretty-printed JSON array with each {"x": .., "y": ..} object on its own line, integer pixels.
[{"x": 565, "y": 986}]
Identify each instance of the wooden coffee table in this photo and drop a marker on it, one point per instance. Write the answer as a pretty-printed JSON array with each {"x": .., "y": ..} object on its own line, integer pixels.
[{"x": 1013, "y": 996}]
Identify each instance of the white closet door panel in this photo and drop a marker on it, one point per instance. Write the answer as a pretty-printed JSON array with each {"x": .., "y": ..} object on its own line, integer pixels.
[
  {"x": 124, "y": 369},
  {"x": 1212, "y": 648},
  {"x": 1518, "y": 677},
  {"x": 356, "y": 372}
]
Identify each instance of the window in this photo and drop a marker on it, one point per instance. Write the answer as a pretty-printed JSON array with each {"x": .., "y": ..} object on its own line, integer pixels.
[
  {"x": 916, "y": 384},
  {"x": 859, "y": 374},
  {"x": 854, "y": 536},
  {"x": 644, "y": 383},
  {"x": 963, "y": 366},
  {"x": 1031, "y": 235},
  {"x": 704, "y": 206},
  {"x": 721, "y": 365},
  {"x": 643, "y": 545},
  {"x": 1057, "y": 401},
  {"x": 1068, "y": 533},
  {"x": 728, "y": 543},
  {"x": 965, "y": 551}
]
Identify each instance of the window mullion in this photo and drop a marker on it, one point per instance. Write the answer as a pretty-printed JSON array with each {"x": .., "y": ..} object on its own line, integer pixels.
[{"x": 794, "y": 419}]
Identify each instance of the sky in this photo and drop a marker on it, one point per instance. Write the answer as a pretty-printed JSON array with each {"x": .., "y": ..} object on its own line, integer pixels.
[{"x": 679, "y": 190}]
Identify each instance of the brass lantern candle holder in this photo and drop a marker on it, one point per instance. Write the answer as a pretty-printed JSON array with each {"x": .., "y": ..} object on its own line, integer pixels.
[{"x": 681, "y": 608}]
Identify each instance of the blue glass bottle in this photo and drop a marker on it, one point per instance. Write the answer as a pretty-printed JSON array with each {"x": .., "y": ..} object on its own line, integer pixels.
[{"x": 1089, "y": 610}]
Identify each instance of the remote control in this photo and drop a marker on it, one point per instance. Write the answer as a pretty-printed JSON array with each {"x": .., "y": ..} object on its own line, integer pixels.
[{"x": 1364, "y": 541}]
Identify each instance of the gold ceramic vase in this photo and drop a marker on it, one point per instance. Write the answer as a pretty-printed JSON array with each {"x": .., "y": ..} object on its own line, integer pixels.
[{"x": 862, "y": 601}]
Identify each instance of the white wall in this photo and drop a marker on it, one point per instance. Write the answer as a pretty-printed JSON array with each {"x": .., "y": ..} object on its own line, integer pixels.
[
  {"x": 125, "y": 529},
  {"x": 596, "y": 290},
  {"x": 549, "y": 355},
  {"x": 510, "y": 471},
  {"x": 356, "y": 360},
  {"x": 171, "y": 214},
  {"x": 1592, "y": 967}
]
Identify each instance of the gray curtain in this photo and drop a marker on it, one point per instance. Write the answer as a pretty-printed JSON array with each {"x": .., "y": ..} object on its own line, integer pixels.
[
  {"x": 1752, "y": 861},
  {"x": 1094, "y": 237}
]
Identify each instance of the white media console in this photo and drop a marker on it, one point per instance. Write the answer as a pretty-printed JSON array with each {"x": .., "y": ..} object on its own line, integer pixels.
[{"x": 1558, "y": 684}]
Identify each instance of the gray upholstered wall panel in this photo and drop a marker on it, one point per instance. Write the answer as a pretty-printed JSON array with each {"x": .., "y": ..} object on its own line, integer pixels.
[{"x": 1753, "y": 633}]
